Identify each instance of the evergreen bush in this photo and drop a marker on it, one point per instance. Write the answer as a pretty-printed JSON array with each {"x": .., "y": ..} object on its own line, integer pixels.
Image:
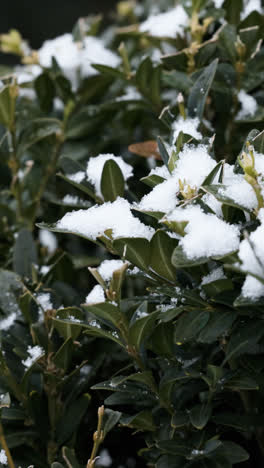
[{"x": 144, "y": 143}]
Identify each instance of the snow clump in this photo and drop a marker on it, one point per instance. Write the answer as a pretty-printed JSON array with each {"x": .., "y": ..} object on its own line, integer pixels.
[
  {"x": 95, "y": 168},
  {"x": 115, "y": 216},
  {"x": 34, "y": 354},
  {"x": 108, "y": 267},
  {"x": 169, "y": 24},
  {"x": 95, "y": 296},
  {"x": 206, "y": 234}
]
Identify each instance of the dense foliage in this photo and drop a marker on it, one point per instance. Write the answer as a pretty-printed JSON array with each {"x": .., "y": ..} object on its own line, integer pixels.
[{"x": 131, "y": 244}]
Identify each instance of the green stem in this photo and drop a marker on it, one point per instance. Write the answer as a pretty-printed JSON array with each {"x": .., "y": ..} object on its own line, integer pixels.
[{"x": 50, "y": 170}]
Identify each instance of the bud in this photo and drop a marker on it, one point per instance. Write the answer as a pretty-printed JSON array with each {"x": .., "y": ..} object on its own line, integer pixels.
[
  {"x": 12, "y": 42},
  {"x": 180, "y": 101},
  {"x": 125, "y": 8},
  {"x": 240, "y": 48},
  {"x": 186, "y": 190}
]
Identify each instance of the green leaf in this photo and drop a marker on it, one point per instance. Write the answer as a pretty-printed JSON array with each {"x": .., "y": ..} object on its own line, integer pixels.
[
  {"x": 65, "y": 324},
  {"x": 141, "y": 329},
  {"x": 70, "y": 421},
  {"x": 7, "y": 105},
  {"x": 226, "y": 42},
  {"x": 109, "y": 71},
  {"x": 233, "y": 10},
  {"x": 100, "y": 333},
  {"x": 57, "y": 465},
  {"x": 241, "y": 382},
  {"x": 11, "y": 287},
  {"x": 142, "y": 421},
  {"x": 211, "y": 176},
  {"x": 258, "y": 142},
  {"x": 17, "y": 438},
  {"x": 219, "y": 323},
  {"x": 233, "y": 452},
  {"x": 45, "y": 91},
  {"x": 83, "y": 186},
  {"x": 218, "y": 192},
  {"x": 152, "y": 180},
  {"x": 105, "y": 311},
  {"x": 179, "y": 419},
  {"x": 63, "y": 356},
  {"x": 112, "y": 181},
  {"x": 174, "y": 447},
  {"x": 200, "y": 90},
  {"x": 25, "y": 254},
  {"x": 134, "y": 249},
  {"x": 35, "y": 131},
  {"x": 69, "y": 456},
  {"x": 189, "y": 325},
  {"x": 200, "y": 415},
  {"x": 161, "y": 248},
  {"x": 163, "y": 151},
  {"x": 110, "y": 419},
  {"x": 180, "y": 260}
]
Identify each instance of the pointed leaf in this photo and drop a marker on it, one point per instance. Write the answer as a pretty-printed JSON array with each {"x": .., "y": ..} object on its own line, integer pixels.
[
  {"x": 200, "y": 90},
  {"x": 112, "y": 181}
]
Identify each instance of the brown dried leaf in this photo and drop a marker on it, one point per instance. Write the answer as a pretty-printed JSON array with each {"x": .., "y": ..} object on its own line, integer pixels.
[{"x": 146, "y": 149}]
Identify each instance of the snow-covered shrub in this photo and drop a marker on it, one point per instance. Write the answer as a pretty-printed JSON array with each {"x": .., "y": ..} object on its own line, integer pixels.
[{"x": 144, "y": 144}]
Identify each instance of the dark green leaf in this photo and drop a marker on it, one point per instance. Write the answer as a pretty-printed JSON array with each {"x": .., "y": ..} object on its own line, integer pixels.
[
  {"x": 68, "y": 424},
  {"x": 134, "y": 249},
  {"x": 112, "y": 181},
  {"x": 25, "y": 254},
  {"x": 200, "y": 90},
  {"x": 200, "y": 415},
  {"x": 161, "y": 248}
]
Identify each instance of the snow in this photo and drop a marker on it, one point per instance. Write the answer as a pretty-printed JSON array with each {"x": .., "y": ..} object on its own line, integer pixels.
[
  {"x": 248, "y": 105},
  {"x": 115, "y": 216},
  {"x": 259, "y": 163},
  {"x": 7, "y": 322},
  {"x": 253, "y": 261},
  {"x": 95, "y": 296},
  {"x": 66, "y": 53},
  {"x": 73, "y": 319},
  {"x": 131, "y": 94},
  {"x": 206, "y": 235},
  {"x": 44, "y": 301},
  {"x": 218, "y": 3},
  {"x": 27, "y": 74},
  {"x": 108, "y": 267},
  {"x": 34, "y": 353},
  {"x": 104, "y": 458},
  {"x": 241, "y": 192},
  {"x": 193, "y": 165},
  {"x": 74, "y": 58},
  {"x": 162, "y": 198},
  {"x": 45, "y": 269},
  {"x": 213, "y": 203},
  {"x": 251, "y": 5},
  {"x": 72, "y": 200},
  {"x": 214, "y": 275},
  {"x": 95, "y": 168},
  {"x": 48, "y": 240},
  {"x": 77, "y": 177},
  {"x": 188, "y": 126},
  {"x": 94, "y": 51},
  {"x": 160, "y": 171},
  {"x": 3, "y": 457},
  {"x": 169, "y": 24}
]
